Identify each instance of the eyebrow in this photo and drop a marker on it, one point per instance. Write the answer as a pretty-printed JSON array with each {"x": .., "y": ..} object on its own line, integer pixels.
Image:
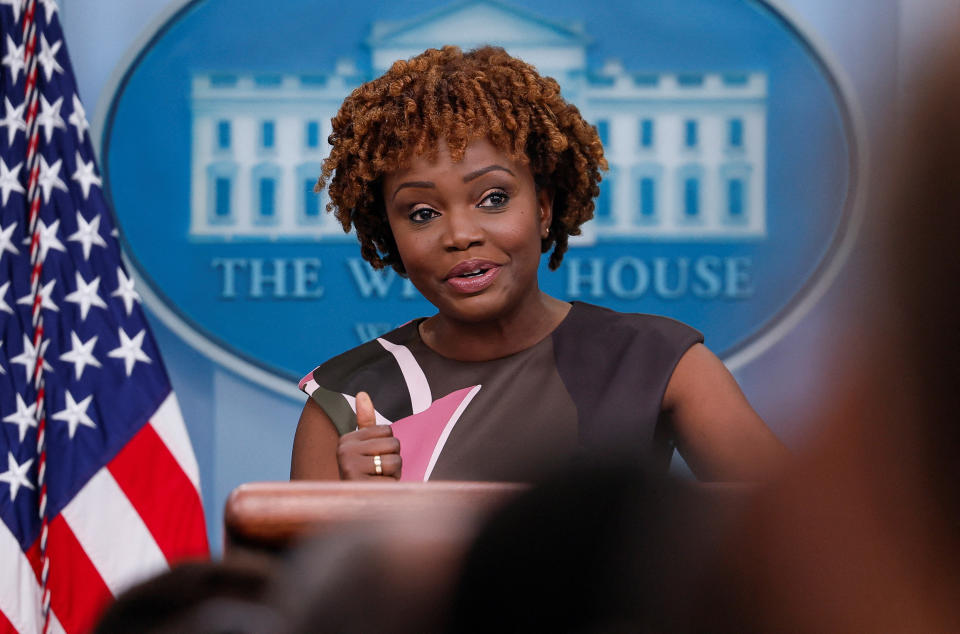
[
  {"x": 466, "y": 179},
  {"x": 483, "y": 170},
  {"x": 418, "y": 184}
]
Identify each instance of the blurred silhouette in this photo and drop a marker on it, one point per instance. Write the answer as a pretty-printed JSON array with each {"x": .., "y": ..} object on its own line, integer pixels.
[
  {"x": 602, "y": 547},
  {"x": 208, "y": 597},
  {"x": 864, "y": 536}
]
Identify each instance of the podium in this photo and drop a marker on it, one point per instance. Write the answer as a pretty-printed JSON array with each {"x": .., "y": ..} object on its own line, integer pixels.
[{"x": 268, "y": 517}]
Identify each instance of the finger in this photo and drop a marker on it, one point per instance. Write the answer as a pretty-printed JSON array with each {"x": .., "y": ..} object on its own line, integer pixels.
[
  {"x": 379, "y": 446},
  {"x": 367, "y": 433},
  {"x": 385, "y": 465},
  {"x": 358, "y": 467},
  {"x": 366, "y": 416}
]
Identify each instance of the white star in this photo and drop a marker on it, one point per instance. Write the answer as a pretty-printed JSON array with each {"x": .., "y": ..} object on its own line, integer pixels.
[
  {"x": 2, "y": 371},
  {"x": 13, "y": 119},
  {"x": 48, "y": 237},
  {"x": 75, "y": 413},
  {"x": 10, "y": 180},
  {"x": 81, "y": 355},
  {"x": 88, "y": 233},
  {"x": 4, "y": 306},
  {"x": 49, "y": 8},
  {"x": 6, "y": 244},
  {"x": 24, "y": 418},
  {"x": 78, "y": 118},
  {"x": 48, "y": 57},
  {"x": 86, "y": 295},
  {"x": 43, "y": 293},
  {"x": 50, "y": 177},
  {"x": 85, "y": 175},
  {"x": 14, "y": 57},
  {"x": 125, "y": 290},
  {"x": 130, "y": 350},
  {"x": 16, "y": 475},
  {"x": 49, "y": 117},
  {"x": 28, "y": 358}
]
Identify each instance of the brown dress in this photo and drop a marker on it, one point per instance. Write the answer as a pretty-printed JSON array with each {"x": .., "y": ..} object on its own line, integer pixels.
[{"x": 595, "y": 384}]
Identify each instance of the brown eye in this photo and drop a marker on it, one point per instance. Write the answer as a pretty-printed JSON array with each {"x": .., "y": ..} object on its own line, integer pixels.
[
  {"x": 495, "y": 199},
  {"x": 423, "y": 214}
]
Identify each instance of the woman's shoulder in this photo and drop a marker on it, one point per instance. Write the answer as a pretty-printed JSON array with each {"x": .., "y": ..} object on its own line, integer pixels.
[
  {"x": 371, "y": 367},
  {"x": 369, "y": 358},
  {"x": 599, "y": 325}
]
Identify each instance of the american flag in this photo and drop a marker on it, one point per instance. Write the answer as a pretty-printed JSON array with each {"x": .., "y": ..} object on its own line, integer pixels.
[{"x": 99, "y": 486}]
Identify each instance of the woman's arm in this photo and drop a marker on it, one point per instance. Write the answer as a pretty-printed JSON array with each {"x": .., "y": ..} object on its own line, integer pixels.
[
  {"x": 314, "y": 446},
  {"x": 718, "y": 434},
  {"x": 320, "y": 453}
]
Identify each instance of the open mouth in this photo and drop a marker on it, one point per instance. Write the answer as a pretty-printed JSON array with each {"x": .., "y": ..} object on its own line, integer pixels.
[
  {"x": 472, "y": 277},
  {"x": 475, "y": 273}
]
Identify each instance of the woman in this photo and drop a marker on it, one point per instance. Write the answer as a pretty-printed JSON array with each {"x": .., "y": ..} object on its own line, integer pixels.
[{"x": 459, "y": 171}]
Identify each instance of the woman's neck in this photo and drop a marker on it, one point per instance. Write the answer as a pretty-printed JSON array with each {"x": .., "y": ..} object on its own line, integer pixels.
[{"x": 482, "y": 341}]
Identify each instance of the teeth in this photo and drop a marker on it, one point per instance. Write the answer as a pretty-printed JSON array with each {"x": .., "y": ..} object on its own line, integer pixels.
[{"x": 474, "y": 273}]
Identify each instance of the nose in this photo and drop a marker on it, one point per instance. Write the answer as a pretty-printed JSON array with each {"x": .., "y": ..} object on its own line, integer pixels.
[{"x": 462, "y": 230}]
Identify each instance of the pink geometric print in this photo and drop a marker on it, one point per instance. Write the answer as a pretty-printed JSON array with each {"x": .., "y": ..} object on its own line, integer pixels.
[{"x": 422, "y": 435}]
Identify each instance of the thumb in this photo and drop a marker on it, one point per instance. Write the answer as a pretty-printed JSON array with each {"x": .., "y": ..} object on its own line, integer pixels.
[{"x": 365, "y": 413}]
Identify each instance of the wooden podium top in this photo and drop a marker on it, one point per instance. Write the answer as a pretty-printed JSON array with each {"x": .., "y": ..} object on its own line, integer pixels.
[{"x": 269, "y": 516}]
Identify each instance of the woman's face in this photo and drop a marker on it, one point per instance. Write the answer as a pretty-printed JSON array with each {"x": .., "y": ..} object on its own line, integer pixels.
[{"x": 469, "y": 233}]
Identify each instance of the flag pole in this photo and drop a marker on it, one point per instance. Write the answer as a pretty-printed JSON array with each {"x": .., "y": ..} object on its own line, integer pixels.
[{"x": 31, "y": 94}]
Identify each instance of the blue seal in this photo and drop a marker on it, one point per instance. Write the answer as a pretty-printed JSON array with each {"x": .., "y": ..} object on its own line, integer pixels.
[{"x": 728, "y": 204}]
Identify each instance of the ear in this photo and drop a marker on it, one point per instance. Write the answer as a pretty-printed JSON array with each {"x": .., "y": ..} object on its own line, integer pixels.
[{"x": 545, "y": 210}]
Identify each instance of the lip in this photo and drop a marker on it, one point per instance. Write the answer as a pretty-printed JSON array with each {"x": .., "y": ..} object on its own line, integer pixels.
[{"x": 472, "y": 284}]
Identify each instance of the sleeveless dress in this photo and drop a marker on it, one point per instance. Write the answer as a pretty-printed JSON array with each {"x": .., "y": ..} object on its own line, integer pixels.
[{"x": 595, "y": 384}]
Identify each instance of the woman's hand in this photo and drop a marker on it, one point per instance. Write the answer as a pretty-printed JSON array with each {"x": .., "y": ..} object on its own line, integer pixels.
[{"x": 371, "y": 452}]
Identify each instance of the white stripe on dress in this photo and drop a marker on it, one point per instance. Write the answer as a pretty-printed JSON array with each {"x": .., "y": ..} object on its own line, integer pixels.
[
  {"x": 447, "y": 429},
  {"x": 420, "y": 396}
]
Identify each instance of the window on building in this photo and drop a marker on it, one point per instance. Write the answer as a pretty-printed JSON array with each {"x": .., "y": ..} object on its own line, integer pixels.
[
  {"x": 268, "y": 192},
  {"x": 604, "y": 209},
  {"x": 735, "y": 129},
  {"x": 313, "y": 134},
  {"x": 690, "y": 133},
  {"x": 603, "y": 131},
  {"x": 691, "y": 197},
  {"x": 268, "y": 81},
  {"x": 223, "y": 80},
  {"x": 646, "y": 133},
  {"x": 223, "y": 135},
  {"x": 690, "y": 79},
  {"x": 309, "y": 204},
  {"x": 267, "y": 130},
  {"x": 311, "y": 199},
  {"x": 648, "y": 200},
  {"x": 735, "y": 197},
  {"x": 221, "y": 207}
]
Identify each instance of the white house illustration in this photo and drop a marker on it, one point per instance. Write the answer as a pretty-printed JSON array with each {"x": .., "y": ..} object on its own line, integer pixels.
[{"x": 687, "y": 150}]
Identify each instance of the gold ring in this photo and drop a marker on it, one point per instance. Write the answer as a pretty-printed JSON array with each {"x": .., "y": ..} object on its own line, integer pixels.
[{"x": 378, "y": 465}]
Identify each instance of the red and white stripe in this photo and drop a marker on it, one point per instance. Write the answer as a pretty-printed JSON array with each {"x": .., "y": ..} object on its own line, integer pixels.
[{"x": 116, "y": 531}]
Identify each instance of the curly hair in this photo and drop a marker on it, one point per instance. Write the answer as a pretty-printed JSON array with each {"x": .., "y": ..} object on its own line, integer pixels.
[{"x": 459, "y": 97}]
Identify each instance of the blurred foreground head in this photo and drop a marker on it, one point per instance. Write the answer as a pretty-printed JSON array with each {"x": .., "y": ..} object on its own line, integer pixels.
[
  {"x": 865, "y": 537},
  {"x": 601, "y": 547},
  {"x": 196, "y": 597}
]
